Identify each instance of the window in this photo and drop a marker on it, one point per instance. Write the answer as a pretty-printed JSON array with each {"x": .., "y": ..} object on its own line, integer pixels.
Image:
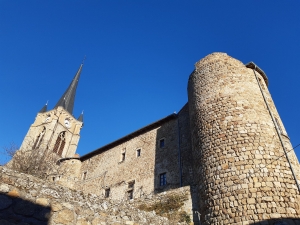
[
  {"x": 131, "y": 184},
  {"x": 130, "y": 194},
  {"x": 84, "y": 176},
  {"x": 163, "y": 179},
  {"x": 123, "y": 156},
  {"x": 60, "y": 143},
  {"x": 138, "y": 153},
  {"x": 162, "y": 143},
  {"x": 107, "y": 192},
  {"x": 39, "y": 139}
]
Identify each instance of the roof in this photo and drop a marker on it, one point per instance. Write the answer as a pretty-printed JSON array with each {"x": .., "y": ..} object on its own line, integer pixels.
[
  {"x": 252, "y": 65},
  {"x": 129, "y": 136},
  {"x": 68, "y": 98},
  {"x": 80, "y": 118},
  {"x": 44, "y": 109}
]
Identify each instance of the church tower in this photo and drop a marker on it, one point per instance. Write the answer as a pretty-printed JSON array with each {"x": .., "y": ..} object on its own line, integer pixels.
[{"x": 57, "y": 130}]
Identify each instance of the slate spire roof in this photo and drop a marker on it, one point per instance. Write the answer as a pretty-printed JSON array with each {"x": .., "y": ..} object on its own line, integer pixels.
[
  {"x": 68, "y": 98},
  {"x": 44, "y": 109},
  {"x": 80, "y": 118}
]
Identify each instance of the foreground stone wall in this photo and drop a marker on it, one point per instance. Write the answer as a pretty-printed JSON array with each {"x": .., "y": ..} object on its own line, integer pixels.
[
  {"x": 25, "y": 200},
  {"x": 241, "y": 168}
]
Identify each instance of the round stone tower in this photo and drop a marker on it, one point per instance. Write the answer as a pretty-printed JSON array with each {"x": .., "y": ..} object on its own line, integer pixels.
[{"x": 243, "y": 173}]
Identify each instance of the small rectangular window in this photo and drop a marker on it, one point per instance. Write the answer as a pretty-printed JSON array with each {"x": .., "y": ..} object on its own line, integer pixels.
[
  {"x": 138, "y": 153},
  {"x": 131, "y": 184},
  {"x": 130, "y": 194},
  {"x": 107, "y": 192},
  {"x": 162, "y": 143},
  {"x": 163, "y": 179},
  {"x": 123, "y": 156}
]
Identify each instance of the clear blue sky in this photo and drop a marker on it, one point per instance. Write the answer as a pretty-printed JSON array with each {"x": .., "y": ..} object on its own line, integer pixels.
[{"x": 139, "y": 57}]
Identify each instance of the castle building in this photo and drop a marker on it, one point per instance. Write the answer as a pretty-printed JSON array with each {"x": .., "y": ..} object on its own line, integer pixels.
[{"x": 227, "y": 144}]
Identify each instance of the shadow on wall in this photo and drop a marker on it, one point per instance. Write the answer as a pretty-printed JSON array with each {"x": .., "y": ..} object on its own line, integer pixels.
[
  {"x": 166, "y": 171},
  {"x": 285, "y": 221},
  {"x": 173, "y": 161},
  {"x": 14, "y": 210}
]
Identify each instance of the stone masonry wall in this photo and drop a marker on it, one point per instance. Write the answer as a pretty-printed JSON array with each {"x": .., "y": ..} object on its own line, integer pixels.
[
  {"x": 242, "y": 172},
  {"x": 53, "y": 122},
  {"x": 139, "y": 174},
  {"x": 25, "y": 200}
]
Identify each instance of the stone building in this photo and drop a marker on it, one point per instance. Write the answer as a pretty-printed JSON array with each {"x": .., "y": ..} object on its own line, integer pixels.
[
  {"x": 227, "y": 144},
  {"x": 57, "y": 129}
]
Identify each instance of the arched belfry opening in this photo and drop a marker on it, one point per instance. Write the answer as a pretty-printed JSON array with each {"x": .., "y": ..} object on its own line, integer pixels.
[
  {"x": 60, "y": 143},
  {"x": 39, "y": 139}
]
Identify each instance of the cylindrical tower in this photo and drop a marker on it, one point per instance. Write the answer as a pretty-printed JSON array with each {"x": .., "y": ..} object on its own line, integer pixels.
[{"x": 243, "y": 173}]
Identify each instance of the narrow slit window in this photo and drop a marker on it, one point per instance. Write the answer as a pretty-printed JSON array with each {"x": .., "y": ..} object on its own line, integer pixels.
[
  {"x": 138, "y": 153},
  {"x": 84, "y": 176},
  {"x": 163, "y": 179},
  {"x": 162, "y": 143},
  {"x": 123, "y": 156},
  {"x": 130, "y": 194},
  {"x": 107, "y": 192}
]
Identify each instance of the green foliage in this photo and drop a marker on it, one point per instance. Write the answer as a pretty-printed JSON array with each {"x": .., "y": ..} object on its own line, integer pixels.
[{"x": 169, "y": 207}]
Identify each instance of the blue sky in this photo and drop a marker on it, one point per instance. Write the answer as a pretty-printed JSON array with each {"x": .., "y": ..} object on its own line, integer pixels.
[{"x": 139, "y": 57}]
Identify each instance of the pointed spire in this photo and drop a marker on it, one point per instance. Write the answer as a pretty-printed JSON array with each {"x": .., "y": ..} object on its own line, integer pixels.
[
  {"x": 68, "y": 98},
  {"x": 80, "y": 118},
  {"x": 44, "y": 109}
]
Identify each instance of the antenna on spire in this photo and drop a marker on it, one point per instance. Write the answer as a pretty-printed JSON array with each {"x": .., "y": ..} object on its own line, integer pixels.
[{"x": 84, "y": 58}]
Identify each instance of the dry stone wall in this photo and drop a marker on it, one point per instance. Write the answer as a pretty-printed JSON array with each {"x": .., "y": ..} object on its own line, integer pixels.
[
  {"x": 26, "y": 200},
  {"x": 242, "y": 173}
]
